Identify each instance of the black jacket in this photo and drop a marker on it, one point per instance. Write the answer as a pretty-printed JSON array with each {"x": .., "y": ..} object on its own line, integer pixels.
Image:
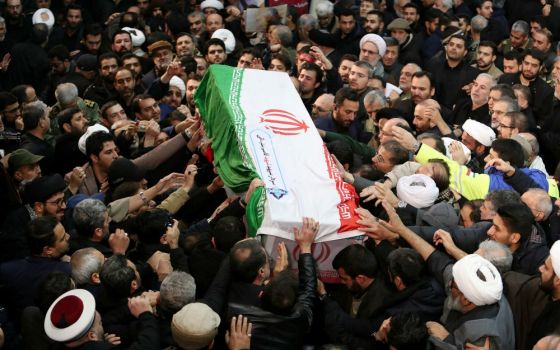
[
  {"x": 148, "y": 336},
  {"x": 541, "y": 94},
  {"x": 271, "y": 331}
]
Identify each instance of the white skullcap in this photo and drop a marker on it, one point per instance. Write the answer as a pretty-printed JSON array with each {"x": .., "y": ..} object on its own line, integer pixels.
[
  {"x": 194, "y": 326},
  {"x": 227, "y": 37},
  {"x": 555, "y": 257},
  {"x": 377, "y": 40},
  {"x": 480, "y": 132},
  {"x": 90, "y": 130},
  {"x": 418, "y": 190},
  {"x": 43, "y": 16},
  {"x": 138, "y": 37},
  {"x": 447, "y": 142},
  {"x": 178, "y": 83},
  {"x": 478, "y": 280},
  {"x": 215, "y": 4}
]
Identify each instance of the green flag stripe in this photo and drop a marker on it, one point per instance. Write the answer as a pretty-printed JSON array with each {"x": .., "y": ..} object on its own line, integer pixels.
[{"x": 218, "y": 99}]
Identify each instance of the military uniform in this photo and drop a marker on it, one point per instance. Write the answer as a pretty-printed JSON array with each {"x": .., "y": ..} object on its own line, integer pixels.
[{"x": 88, "y": 107}]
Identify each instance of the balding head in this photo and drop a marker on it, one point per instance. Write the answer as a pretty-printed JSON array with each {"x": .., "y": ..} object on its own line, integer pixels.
[
  {"x": 323, "y": 106},
  {"x": 539, "y": 202},
  {"x": 386, "y": 133}
]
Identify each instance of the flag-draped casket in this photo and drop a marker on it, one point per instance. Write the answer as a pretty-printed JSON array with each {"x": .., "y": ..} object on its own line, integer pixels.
[{"x": 259, "y": 127}]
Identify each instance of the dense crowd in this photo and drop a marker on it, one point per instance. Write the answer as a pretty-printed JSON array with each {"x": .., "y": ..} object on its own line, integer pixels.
[{"x": 116, "y": 230}]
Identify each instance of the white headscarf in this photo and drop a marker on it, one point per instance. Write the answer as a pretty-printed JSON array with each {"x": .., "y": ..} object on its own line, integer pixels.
[
  {"x": 478, "y": 280},
  {"x": 418, "y": 190}
]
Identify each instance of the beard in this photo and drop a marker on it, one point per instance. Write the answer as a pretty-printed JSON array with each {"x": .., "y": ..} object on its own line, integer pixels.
[
  {"x": 453, "y": 303},
  {"x": 547, "y": 286}
]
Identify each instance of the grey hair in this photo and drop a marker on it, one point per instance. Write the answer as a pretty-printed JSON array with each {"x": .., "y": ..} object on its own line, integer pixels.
[
  {"x": 84, "y": 263},
  {"x": 447, "y": 3},
  {"x": 365, "y": 64},
  {"x": 543, "y": 201},
  {"x": 535, "y": 148},
  {"x": 177, "y": 290},
  {"x": 521, "y": 27},
  {"x": 197, "y": 14},
  {"x": 493, "y": 81},
  {"x": 308, "y": 20},
  {"x": 324, "y": 8},
  {"x": 375, "y": 96},
  {"x": 284, "y": 35},
  {"x": 90, "y": 214},
  {"x": 513, "y": 106},
  {"x": 499, "y": 198},
  {"x": 497, "y": 253},
  {"x": 66, "y": 94},
  {"x": 478, "y": 23}
]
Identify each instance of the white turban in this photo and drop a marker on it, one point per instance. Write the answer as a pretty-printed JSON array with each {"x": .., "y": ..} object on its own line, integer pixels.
[
  {"x": 137, "y": 36},
  {"x": 43, "y": 16},
  {"x": 555, "y": 257},
  {"x": 215, "y": 4},
  {"x": 90, "y": 130},
  {"x": 478, "y": 280},
  {"x": 480, "y": 132},
  {"x": 227, "y": 37},
  {"x": 377, "y": 40},
  {"x": 178, "y": 83},
  {"x": 447, "y": 142},
  {"x": 418, "y": 190}
]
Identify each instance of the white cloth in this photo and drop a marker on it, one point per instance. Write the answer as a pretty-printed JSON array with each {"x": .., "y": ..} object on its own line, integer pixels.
[
  {"x": 539, "y": 165},
  {"x": 43, "y": 16},
  {"x": 480, "y": 132},
  {"x": 90, "y": 130},
  {"x": 447, "y": 142},
  {"x": 377, "y": 40},
  {"x": 138, "y": 37},
  {"x": 418, "y": 190},
  {"x": 478, "y": 280},
  {"x": 212, "y": 4},
  {"x": 178, "y": 83},
  {"x": 555, "y": 257},
  {"x": 227, "y": 37}
]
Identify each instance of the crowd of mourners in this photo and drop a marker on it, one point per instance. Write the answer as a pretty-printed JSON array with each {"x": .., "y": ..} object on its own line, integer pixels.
[{"x": 116, "y": 230}]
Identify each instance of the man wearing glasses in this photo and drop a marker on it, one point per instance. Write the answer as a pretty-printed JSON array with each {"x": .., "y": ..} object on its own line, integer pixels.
[{"x": 44, "y": 196}]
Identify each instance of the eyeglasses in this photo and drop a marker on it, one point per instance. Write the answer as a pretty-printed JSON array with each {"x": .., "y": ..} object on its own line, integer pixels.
[{"x": 59, "y": 202}]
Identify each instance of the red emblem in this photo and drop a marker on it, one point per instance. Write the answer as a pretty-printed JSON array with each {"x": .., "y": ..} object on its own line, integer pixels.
[{"x": 283, "y": 123}]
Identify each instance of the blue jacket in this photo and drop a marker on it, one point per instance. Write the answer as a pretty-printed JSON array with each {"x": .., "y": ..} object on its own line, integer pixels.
[{"x": 497, "y": 181}]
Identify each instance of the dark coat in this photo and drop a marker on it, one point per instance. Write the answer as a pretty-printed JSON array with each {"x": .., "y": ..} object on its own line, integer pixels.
[
  {"x": 271, "y": 331},
  {"x": 541, "y": 95}
]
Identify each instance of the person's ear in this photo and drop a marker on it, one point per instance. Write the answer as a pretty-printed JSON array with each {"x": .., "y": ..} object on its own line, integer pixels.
[
  {"x": 94, "y": 159},
  {"x": 39, "y": 208},
  {"x": 399, "y": 283},
  {"x": 18, "y": 175},
  {"x": 92, "y": 336},
  {"x": 98, "y": 233},
  {"x": 515, "y": 238},
  {"x": 95, "y": 279},
  {"x": 48, "y": 251},
  {"x": 361, "y": 279},
  {"x": 67, "y": 128},
  {"x": 133, "y": 286},
  {"x": 432, "y": 92}
]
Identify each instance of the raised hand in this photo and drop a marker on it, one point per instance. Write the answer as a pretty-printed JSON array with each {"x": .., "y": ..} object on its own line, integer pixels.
[{"x": 306, "y": 235}]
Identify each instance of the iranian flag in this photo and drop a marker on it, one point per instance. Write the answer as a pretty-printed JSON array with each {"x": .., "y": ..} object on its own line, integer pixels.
[{"x": 260, "y": 128}]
